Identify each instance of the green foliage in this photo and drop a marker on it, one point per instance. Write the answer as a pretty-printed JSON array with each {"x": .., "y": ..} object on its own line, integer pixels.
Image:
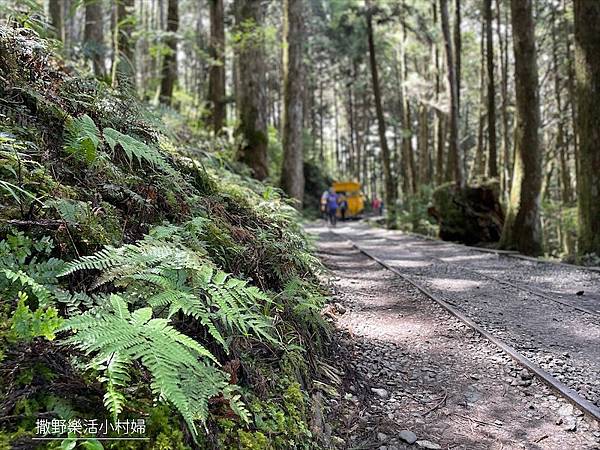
[
  {"x": 82, "y": 138},
  {"x": 181, "y": 368},
  {"x": 13, "y": 162},
  {"x": 25, "y": 266},
  {"x": 135, "y": 149},
  {"x": 26, "y": 325},
  {"x": 197, "y": 286},
  {"x": 413, "y": 215}
]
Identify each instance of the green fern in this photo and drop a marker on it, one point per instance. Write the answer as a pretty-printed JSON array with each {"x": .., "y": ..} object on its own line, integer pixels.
[
  {"x": 116, "y": 376},
  {"x": 82, "y": 138},
  {"x": 181, "y": 368},
  {"x": 135, "y": 148},
  {"x": 167, "y": 274}
]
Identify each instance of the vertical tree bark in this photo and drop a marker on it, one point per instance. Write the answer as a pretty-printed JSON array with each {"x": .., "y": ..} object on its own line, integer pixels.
[
  {"x": 479, "y": 169},
  {"x": 388, "y": 179},
  {"x": 522, "y": 228},
  {"x": 440, "y": 116},
  {"x": 423, "y": 145},
  {"x": 56, "y": 10},
  {"x": 251, "y": 96},
  {"x": 565, "y": 176},
  {"x": 454, "y": 167},
  {"x": 169, "y": 67},
  {"x": 503, "y": 41},
  {"x": 123, "y": 65},
  {"x": 491, "y": 92},
  {"x": 458, "y": 49},
  {"x": 587, "y": 69},
  {"x": 94, "y": 36},
  {"x": 292, "y": 174},
  {"x": 216, "y": 79}
]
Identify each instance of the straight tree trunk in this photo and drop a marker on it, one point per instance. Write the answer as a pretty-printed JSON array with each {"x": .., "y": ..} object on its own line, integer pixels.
[
  {"x": 454, "y": 168},
  {"x": 292, "y": 172},
  {"x": 458, "y": 49},
  {"x": 169, "y": 67},
  {"x": 522, "y": 227},
  {"x": 491, "y": 92},
  {"x": 123, "y": 67},
  {"x": 503, "y": 43},
  {"x": 565, "y": 176},
  {"x": 94, "y": 36},
  {"x": 440, "y": 116},
  {"x": 587, "y": 69},
  {"x": 216, "y": 79},
  {"x": 389, "y": 183},
  {"x": 56, "y": 10},
  {"x": 479, "y": 169},
  {"x": 424, "y": 167},
  {"x": 251, "y": 95}
]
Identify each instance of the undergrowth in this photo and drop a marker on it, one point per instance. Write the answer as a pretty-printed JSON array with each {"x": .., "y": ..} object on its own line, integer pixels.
[{"x": 141, "y": 276}]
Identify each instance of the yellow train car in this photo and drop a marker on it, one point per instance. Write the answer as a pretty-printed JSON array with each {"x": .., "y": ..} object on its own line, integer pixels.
[{"x": 354, "y": 196}]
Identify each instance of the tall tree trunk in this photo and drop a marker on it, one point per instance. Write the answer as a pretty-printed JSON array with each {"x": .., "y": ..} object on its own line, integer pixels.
[
  {"x": 216, "y": 80},
  {"x": 251, "y": 98},
  {"x": 587, "y": 68},
  {"x": 123, "y": 66},
  {"x": 522, "y": 228},
  {"x": 565, "y": 176},
  {"x": 169, "y": 68},
  {"x": 424, "y": 168},
  {"x": 440, "y": 116},
  {"x": 56, "y": 10},
  {"x": 454, "y": 168},
  {"x": 479, "y": 169},
  {"x": 292, "y": 172},
  {"x": 458, "y": 49},
  {"x": 94, "y": 36},
  {"x": 389, "y": 183},
  {"x": 491, "y": 92},
  {"x": 503, "y": 43}
]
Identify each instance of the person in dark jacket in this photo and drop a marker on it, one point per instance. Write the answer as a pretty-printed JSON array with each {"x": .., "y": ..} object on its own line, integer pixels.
[{"x": 332, "y": 206}]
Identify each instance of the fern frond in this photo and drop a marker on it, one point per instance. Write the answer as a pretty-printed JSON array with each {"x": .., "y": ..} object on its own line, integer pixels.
[
  {"x": 181, "y": 368},
  {"x": 135, "y": 148},
  {"x": 82, "y": 138}
]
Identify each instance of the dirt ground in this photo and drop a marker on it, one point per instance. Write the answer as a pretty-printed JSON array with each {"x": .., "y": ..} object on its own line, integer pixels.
[{"x": 416, "y": 377}]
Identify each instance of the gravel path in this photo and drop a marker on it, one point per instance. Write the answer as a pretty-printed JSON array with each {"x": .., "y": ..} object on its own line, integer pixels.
[
  {"x": 563, "y": 341},
  {"x": 413, "y": 371}
]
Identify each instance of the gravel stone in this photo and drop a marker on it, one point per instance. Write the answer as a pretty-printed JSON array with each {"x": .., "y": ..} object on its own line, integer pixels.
[{"x": 408, "y": 436}]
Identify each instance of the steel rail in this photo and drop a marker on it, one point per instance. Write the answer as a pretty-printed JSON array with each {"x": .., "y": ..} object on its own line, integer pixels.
[
  {"x": 529, "y": 290},
  {"x": 564, "y": 391}
]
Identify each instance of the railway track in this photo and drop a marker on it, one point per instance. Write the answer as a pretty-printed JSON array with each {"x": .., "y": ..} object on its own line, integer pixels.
[
  {"x": 556, "y": 385},
  {"x": 528, "y": 289}
]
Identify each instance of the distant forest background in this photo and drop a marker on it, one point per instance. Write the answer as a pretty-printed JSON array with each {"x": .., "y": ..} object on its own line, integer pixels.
[{"x": 403, "y": 96}]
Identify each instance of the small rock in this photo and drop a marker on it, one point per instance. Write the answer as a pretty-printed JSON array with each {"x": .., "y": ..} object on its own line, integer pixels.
[
  {"x": 338, "y": 441},
  {"x": 382, "y": 437},
  {"x": 565, "y": 410},
  {"x": 408, "y": 436},
  {"x": 525, "y": 375},
  {"x": 380, "y": 392},
  {"x": 340, "y": 308},
  {"x": 569, "y": 423},
  {"x": 429, "y": 445},
  {"x": 580, "y": 293}
]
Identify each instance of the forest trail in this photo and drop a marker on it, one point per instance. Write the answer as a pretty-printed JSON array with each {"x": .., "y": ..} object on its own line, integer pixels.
[{"x": 411, "y": 367}]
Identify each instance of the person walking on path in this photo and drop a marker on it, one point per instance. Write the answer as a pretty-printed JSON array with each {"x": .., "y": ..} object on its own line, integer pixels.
[
  {"x": 343, "y": 203},
  {"x": 323, "y": 204},
  {"x": 332, "y": 205}
]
